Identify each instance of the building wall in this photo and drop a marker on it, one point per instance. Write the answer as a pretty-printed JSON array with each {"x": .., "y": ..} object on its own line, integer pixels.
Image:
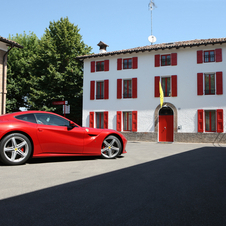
[{"x": 185, "y": 104}]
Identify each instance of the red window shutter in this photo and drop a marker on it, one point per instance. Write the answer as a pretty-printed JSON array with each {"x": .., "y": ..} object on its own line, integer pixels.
[
  {"x": 157, "y": 80},
  {"x": 92, "y": 90},
  {"x": 92, "y": 66},
  {"x": 106, "y": 120},
  {"x": 106, "y": 65},
  {"x": 106, "y": 89},
  {"x": 173, "y": 59},
  {"x": 134, "y": 87},
  {"x": 157, "y": 60},
  {"x": 119, "y": 117},
  {"x": 174, "y": 85},
  {"x": 135, "y": 62},
  {"x": 119, "y": 88},
  {"x": 91, "y": 119},
  {"x": 119, "y": 64},
  {"x": 218, "y": 53},
  {"x": 219, "y": 81},
  {"x": 134, "y": 121},
  {"x": 200, "y": 121},
  {"x": 199, "y": 57},
  {"x": 199, "y": 83},
  {"x": 220, "y": 121}
]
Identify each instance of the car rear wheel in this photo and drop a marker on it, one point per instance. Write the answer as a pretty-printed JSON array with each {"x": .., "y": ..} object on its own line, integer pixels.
[
  {"x": 111, "y": 147},
  {"x": 15, "y": 149}
]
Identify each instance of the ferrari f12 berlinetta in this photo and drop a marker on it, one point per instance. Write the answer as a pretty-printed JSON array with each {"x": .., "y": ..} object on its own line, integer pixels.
[{"x": 45, "y": 134}]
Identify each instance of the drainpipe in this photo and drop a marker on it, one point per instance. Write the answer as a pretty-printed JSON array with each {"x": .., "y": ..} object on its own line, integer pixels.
[{"x": 3, "y": 79}]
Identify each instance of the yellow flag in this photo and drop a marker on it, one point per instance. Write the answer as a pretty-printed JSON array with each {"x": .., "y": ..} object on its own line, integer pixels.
[{"x": 161, "y": 94}]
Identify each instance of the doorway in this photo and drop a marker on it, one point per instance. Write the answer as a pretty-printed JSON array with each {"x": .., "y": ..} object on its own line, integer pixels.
[{"x": 166, "y": 124}]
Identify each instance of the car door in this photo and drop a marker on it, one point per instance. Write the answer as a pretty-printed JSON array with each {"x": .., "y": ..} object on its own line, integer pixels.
[{"x": 55, "y": 137}]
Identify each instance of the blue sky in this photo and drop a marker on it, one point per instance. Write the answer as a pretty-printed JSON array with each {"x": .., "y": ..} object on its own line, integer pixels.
[{"x": 122, "y": 24}]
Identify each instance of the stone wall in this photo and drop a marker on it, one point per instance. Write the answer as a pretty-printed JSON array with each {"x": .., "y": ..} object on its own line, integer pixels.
[{"x": 178, "y": 137}]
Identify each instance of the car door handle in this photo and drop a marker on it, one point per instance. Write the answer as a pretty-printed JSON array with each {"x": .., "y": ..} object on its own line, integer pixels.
[{"x": 40, "y": 130}]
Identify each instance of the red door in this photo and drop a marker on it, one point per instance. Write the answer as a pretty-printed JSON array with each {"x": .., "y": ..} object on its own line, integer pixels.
[{"x": 166, "y": 125}]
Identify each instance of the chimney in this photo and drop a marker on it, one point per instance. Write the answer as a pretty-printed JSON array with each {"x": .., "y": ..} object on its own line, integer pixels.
[{"x": 103, "y": 47}]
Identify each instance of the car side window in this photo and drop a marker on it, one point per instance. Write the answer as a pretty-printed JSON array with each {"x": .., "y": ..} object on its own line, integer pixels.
[
  {"x": 27, "y": 118},
  {"x": 49, "y": 119}
]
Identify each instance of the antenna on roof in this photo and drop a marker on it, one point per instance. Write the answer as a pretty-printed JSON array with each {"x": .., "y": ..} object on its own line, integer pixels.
[{"x": 151, "y": 6}]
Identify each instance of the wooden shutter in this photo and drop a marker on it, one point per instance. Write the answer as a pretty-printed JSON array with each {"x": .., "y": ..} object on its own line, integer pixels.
[
  {"x": 106, "y": 65},
  {"x": 134, "y": 87},
  {"x": 119, "y": 88},
  {"x": 92, "y": 90},
  {"x": 200, "y": 121},
  {"x": 157, "y": 80},
  {"x": 119, "y": 64},
  {"x": 199, "y": 83},
  {"x": 219, "y": 82},
  {"x": 135, "y": 62},
  {"x": 134, "y": 121},
  {"x": 91, "y": 119},
  {"x": 218, "y": 53},
  {"x": 106, "y": 89},
  {"x": 174, "y": 85},
  {"x": 173, "y": 59},
  {"x": 119, "y": 117},
  {"x": 106, "y": 120},
  {"x": 157, "y": 60},
  {"x": 220, "y": 121},
  {"x": 92, "y": 66},
  {"x": 199, "y": 57}
]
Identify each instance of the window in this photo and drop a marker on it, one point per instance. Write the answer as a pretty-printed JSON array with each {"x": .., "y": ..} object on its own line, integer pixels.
[
  {"x": 166, "y": 60},
  {"x": 102, "y": 90},
  {"x": 166, "y": 87},
  {"x": 27, "y": 118},
  {"x": 209, "y": 84},
  {"x": 210, "y": 121},
  {"x": 49, "y": 119},
  {"x": 129, "y": 121},
  {"x": 209, "y": 56},
  {"x": 169, "y": 86},
  {"x": 129, "y": 88},
  {"x": 101, "y": 120},
  {"x": 213, "y": 83},
  {"x": 128, "y": 63},
  {"x": 99, "y": 66}
]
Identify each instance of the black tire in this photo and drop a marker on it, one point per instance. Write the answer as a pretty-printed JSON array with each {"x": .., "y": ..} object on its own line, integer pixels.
[
  {"x": 111, "y": 147},
  {"x": 15, "y": 149}
]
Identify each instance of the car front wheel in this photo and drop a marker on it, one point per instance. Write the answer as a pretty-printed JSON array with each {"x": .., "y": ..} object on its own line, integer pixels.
[
  {"x": 15, "y": 149},
  {"x": 111, "y": 147}
]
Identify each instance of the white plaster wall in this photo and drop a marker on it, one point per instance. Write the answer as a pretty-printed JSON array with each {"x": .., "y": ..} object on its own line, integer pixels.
[
  {"x": 187, "y": 102},
  {"x": 3, "y": 46}
]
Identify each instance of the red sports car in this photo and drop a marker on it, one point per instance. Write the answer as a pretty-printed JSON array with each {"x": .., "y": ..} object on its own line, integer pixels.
[{"x": 44, "y": 134}]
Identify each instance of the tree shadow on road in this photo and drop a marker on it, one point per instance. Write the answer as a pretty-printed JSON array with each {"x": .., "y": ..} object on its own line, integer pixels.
[{"x": 184, "y": 189}]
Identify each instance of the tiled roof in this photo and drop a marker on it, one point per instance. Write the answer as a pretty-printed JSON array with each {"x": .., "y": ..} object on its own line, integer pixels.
[
  {"x": 10, "y": 42},
  {"x": 162, "y": 46}
]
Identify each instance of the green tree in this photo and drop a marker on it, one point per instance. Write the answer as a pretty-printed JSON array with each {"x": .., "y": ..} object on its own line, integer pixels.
[
  {"x": 57, "y": 75},
  {"x": 19, "y": 66}
]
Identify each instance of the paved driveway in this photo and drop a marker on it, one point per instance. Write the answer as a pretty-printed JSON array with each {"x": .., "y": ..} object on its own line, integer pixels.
[{"x": 153, "y": 184}]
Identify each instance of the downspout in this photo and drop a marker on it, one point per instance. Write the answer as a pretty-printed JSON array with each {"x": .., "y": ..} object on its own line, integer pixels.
[{"x": 3, "y": 78}]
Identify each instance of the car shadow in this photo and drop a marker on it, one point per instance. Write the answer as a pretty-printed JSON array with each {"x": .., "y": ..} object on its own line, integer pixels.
[{"x": 184, "y": 189}]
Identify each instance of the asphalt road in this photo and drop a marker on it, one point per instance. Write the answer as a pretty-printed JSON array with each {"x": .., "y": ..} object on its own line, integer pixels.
[{"x": 153, "y": 184}]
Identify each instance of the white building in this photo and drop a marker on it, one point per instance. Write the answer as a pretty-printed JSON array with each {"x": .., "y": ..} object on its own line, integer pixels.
[{"x": 121, "y": 91}]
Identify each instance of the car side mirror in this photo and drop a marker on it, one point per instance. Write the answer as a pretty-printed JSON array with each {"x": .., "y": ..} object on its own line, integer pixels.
[{"x": 71, "y": 125}]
